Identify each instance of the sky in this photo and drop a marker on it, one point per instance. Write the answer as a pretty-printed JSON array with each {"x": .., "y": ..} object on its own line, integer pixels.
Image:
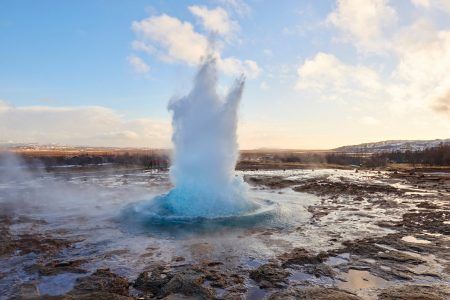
[{"x": 320, "y": 74}]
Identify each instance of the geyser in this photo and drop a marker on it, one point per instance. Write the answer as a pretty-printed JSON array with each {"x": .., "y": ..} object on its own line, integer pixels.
[{"x": 206, "y": 149}]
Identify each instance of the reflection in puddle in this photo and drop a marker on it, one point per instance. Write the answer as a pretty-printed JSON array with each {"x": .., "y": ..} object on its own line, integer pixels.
[
  {"x": 356, "y": 279},
  {"x": 255, "y": 292},
  {"x": 338, "y": 260},
  {"x": 57, "y": 285}
]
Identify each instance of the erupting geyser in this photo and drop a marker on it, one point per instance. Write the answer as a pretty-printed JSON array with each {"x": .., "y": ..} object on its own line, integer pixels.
[{"x": 206, "y": 149}]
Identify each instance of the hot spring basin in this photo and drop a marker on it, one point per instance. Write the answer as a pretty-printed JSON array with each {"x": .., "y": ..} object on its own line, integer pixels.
[{"x": 154, "y": 216}]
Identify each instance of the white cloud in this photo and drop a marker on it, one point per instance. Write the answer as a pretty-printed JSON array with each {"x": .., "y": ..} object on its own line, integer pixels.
[
  {"x": 364, "y": 22},
  {"x": 432, "y": 4},
  {"x": 3, "y": 105},
  {"x": 138, "y": 65},
  {"x": 423, "y": 3},
  {"x": 416, "y": 82},
  {"x": 441, "y": 103},
  {"x": 331, "y": 79},
  {"x": 215, "y": 20},
  {"x": 251, "y": 69},
  {"x": 264, "y": 86},
  {"x": 268, "y": 52},
  {"x": 232, "y": 65},
  {"x": 370, "y": 121},
  {"x": 173, "y": 40},
  {"x": 92, "y": 125},
  {"x": 420, "y": 79},
  {"x": 238, "y": 6},
  {"x": 142, "y": 46}
]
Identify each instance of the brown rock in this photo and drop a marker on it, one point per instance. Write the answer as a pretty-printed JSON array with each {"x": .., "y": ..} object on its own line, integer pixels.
[
  {"x": 58, "y": 267},
  {"x": 153, "y": 280},
  {"x": 189, "y": 285},
  {"x": 314, "y": 293},
  {"x": 101, "y": 281},
  {"x": 414, "y": 292},
  {"x": 269, "y": 276},
  {"x": 300, "y": 256}
]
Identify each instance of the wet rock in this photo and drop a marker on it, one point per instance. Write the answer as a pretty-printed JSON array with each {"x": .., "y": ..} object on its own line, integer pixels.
[
  {"x": 27, "y": 243},
  {"x": 160, "y": 282},
  {"x": 399, "y": 257},
  {"x": 178, "y": 259},
  {"x": 363, "y": 247},
  {"x": 26, "y": 291},
  {"x": 233, "y": 296},
  {"x": 432, "y": 221},
  {"x": 218, "y": 276},
  {"x": 270, "y": 276},
  {"x": 319, "y": 211},
  {"x": 300, "y": 256},
  {"x": 384, "y": 203},
  {"x": 113, "y": 253},
  {"x": 436, "y": 181},
  {"x": 275, "y": 182},
  {"x": 92, "y": 296},
  {"x": 58, "y": 267},
  {"x": 153, "y": 280},
  {"x": 320, "y": 270},
  {"x": 415, "y": 292},
  {"x": 324, "y": 188},
  {"x": 213, "y": 263},
  {"x": 222, "y": 280},
  {"x": 427, "y": 205},
  {"x": 395, "y": 263},
  {"x": 313, "y": 293},
  {"x": 188, "y": 284},
  {"x": 101, "y": 282},
  {"x": 37, "y": 243}
]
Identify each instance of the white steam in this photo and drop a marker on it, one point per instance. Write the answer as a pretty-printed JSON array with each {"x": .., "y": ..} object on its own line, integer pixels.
[{"x": 206, "y": 150}]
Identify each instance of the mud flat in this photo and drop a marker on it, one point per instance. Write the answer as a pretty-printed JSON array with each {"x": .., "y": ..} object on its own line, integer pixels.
[{"x": 338, "y": 234}]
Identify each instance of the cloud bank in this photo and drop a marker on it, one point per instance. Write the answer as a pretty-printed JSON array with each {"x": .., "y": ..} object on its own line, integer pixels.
[
  {"x": 411, "y": 76},
  {"x": 90, "y": 125},
  {"x": 175, "y": 41},
  {"x": 103, "y": 127}
]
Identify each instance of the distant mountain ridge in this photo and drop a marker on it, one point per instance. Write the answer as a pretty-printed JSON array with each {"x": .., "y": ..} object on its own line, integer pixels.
[
  {"x": 375, "y": 147},
  {"x": 392, "y": 145}
]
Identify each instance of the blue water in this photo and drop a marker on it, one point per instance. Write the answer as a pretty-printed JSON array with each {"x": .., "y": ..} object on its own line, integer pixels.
[{"x": 159, "y": 216}]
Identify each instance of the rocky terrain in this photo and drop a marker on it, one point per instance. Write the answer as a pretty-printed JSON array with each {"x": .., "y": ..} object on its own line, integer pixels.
[{"x": 365, "y": 235}]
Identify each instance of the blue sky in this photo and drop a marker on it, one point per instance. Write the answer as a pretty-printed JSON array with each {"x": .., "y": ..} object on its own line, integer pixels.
[{"x": 319, "y": 73}]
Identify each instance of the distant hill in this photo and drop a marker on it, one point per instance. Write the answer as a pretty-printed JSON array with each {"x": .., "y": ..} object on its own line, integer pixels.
[
  {"x": 394, "y": 145},
  {"x": 376, "y": 147}
]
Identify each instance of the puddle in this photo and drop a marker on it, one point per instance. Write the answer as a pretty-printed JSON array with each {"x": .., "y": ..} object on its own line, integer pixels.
[
  {"x": 57, "y": 285},
  {"x": 338, "y": 260},
  {"x": 356, "y": 279},
  {"x": 255, "y": 293},
  {"x": 298, "y": 277},
  {"x": 412, "y": 239}
]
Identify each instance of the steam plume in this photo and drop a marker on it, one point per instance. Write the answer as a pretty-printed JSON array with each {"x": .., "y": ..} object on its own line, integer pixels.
[{"x": 206, "y": 149}]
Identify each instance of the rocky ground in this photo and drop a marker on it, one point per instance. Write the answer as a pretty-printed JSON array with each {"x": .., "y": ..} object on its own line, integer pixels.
[{"x": 409, "y": 260}]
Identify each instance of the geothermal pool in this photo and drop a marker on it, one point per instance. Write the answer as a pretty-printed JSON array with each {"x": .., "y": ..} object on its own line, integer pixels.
[{"x": 86, "y": 208}]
